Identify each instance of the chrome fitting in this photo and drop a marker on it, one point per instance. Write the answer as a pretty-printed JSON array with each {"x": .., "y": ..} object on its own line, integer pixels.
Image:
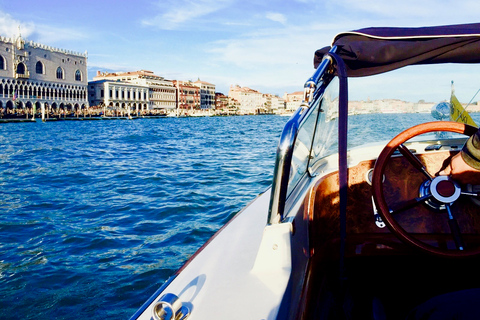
[{"x": 169, "y": 307}]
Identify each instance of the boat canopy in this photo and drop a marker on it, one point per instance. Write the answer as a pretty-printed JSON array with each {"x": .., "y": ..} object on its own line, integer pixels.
[{"x": 372, "y": 51}]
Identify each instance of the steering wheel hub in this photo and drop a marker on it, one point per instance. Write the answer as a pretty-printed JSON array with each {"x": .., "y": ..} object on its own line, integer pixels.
[{"x": 444, "y": 189}]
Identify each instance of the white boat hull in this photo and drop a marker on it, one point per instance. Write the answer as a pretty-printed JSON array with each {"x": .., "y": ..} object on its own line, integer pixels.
[{"x": 226, "y": 280}]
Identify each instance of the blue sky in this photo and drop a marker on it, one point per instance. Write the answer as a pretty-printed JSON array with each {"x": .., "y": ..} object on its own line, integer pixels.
[{"x": 265, "y": 45}]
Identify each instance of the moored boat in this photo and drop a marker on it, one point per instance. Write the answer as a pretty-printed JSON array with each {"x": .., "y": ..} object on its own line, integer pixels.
[{"x": 372, "y": 232}]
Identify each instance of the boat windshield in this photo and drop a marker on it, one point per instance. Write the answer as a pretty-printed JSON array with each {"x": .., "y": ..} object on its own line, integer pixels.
[
  {"x": 309, "y": 148},
  {"x": 402, "y": 99}
]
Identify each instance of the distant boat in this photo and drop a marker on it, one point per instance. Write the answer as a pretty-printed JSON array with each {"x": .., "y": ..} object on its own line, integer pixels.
[{"x": 287, "y": 113}]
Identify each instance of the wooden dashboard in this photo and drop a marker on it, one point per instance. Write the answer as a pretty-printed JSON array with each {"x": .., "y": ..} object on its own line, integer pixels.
[{"x": 402, "y": 183}]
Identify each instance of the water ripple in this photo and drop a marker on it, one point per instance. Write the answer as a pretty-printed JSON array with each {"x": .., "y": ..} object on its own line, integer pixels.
[{"x": 97, "y": 215}]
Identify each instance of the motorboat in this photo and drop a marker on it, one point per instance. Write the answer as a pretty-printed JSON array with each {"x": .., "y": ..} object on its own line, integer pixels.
[{"x": 371, "y": 232}]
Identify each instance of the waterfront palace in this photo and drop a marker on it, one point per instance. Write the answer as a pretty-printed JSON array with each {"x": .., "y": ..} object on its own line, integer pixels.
[{"x": 38, "y": 77}]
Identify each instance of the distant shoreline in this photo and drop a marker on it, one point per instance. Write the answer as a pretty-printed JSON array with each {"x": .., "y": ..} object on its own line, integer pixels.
[{"x": 398, "y": 106}]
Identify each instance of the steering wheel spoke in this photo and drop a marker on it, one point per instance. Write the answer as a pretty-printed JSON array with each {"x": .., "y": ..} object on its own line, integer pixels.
[
  {"x": 417, "y": 164},
  {"x": 455, "y": 229},
  {"x": 410, "y": 204},
  {"x": 470, "y": 194}
]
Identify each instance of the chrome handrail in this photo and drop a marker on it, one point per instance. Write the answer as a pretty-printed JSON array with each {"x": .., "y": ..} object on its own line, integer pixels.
[
  {"x": 313, "y": 83},
  {"x": 287, "y": 140},
  {"x": 282, "y": 168}
]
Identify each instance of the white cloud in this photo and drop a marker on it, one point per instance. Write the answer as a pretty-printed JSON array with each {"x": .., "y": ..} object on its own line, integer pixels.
[
  {"x": 9, "y": 26},
  {"x": 51, "y": 34},
  {"x": 44, "y": 34},
  {"x": 411, "y": 12},
  {"x": 178, "y": 13},
  {"x": 274, "y": 47},
  {"x": 277, "y": 17}
]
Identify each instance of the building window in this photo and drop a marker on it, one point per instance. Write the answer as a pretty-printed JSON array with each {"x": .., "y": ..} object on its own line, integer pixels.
[
  {"x": 59, "y": 73},
  {"x": 2, "y": 63},
  {"x": 78, "y": 75},
  {"x": 39, "y": 67},
  {"x": 20, "y": 68}
]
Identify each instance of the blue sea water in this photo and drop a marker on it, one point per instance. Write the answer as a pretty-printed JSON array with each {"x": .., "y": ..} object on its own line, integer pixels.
[{"x": 96, "y": 215}]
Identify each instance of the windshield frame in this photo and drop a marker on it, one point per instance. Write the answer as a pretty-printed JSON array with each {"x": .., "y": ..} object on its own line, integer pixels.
[{"x": 314, "y": 90}]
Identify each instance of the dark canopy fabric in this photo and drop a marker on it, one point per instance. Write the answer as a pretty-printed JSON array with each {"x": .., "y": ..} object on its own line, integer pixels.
[{"x": 376, "y": 50}]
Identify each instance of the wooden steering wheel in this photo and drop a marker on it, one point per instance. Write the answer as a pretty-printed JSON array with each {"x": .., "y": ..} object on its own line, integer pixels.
[{"x": 442, "y": 189}]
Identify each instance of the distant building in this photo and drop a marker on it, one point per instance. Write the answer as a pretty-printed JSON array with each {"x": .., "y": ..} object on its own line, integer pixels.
[
  {"x": 273, "y": 103},
  {"x": 119, "y": 96},
  {"x": 207, "y": 94},
  {"x": 233, "y": 105},
  {"x": 221, "y": 101},
  {"x": 188, "y": 95},
  {"x": 36, "y": 76},
  {"x": 250, "y": 101},
  {"x": 225, "y": 105},
  {"x": 293, "y": 100},
  {"x": 161, "y": 92}
]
